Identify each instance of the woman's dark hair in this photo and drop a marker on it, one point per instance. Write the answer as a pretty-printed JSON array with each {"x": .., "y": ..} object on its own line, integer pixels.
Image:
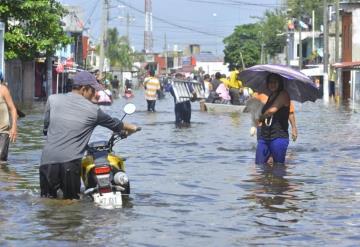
[{"x": 278, "y": 78}]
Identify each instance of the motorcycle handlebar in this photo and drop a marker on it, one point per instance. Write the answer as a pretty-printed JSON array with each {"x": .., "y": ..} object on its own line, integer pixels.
[{"x": 124, "y": 134}]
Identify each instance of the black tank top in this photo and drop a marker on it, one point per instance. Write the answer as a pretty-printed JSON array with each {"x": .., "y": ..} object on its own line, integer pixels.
[{"x": 279, "y": 123}]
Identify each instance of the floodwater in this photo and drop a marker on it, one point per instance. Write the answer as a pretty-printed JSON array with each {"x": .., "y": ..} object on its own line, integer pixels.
[{"x": 198, "y": 186}]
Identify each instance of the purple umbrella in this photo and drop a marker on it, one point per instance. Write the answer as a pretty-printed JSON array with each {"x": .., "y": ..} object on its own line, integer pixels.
[{"x": 299, "y": 86}]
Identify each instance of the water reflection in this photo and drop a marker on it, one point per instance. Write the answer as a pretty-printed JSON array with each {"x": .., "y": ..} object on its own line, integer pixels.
[
  {"x": 10, "y": 180},
  {"x": 272, "y": 189},
  {"x": 60, "y": 220}
]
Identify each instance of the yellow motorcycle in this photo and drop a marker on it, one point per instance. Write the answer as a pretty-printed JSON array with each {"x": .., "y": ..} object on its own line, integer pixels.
[{"x": 103, "y": 172}]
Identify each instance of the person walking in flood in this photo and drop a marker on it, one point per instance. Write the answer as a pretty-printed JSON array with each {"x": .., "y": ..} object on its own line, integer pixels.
[
  {"x": 8, "y": 129},
  {"x": 151, "y": 85},
  {"x": 255, "y": 109},
  {"x": 274, "y": 137}
]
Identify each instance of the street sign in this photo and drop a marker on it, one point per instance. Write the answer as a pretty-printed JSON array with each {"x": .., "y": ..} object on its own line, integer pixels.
[{"x": 2, "y": 55}]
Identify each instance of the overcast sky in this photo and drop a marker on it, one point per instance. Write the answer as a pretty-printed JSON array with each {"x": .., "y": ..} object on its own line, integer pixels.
[{"x": 204, "y": 22}]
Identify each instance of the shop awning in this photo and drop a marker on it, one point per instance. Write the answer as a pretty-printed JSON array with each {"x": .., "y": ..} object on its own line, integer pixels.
[{"x": 347, "y": 65}]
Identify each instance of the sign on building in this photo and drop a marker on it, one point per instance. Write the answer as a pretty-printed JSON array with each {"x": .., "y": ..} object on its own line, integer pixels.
[{"x": 149, "y": 58}]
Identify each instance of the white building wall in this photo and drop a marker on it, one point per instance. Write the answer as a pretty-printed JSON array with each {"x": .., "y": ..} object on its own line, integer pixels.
[
  {"x": 294, "y": 52},
  {"x": 213, "y": 67},
  {"x": 356, "y": 34}
]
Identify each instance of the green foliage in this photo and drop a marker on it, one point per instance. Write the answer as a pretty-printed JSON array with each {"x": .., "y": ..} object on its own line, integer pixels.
[
  {"x": 244, "y": 40},
  {"x": 269, "y": 31},
  {"x": 118, "y": 50},
  {"x": 273, "y": 32},
  {"x": 32, "y": 28}
]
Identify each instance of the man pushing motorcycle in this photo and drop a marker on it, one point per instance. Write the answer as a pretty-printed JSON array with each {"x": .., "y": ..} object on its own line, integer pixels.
[{"x": 69, "y": 121}]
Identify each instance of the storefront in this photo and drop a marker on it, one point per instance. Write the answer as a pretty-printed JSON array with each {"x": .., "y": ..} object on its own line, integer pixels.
[{"x": 349, "y": 80}]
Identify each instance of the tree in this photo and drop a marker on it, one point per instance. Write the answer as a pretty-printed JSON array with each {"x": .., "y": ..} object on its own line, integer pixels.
[
  {"x": 118, "y": 50},
  {"x": 32, "y": 28},
  {"x": 273, "y": 32},
  {"x": 243, "y": 44}
]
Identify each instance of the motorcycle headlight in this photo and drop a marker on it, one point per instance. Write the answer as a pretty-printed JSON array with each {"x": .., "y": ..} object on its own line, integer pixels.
[{"x": 121, "y": 178}]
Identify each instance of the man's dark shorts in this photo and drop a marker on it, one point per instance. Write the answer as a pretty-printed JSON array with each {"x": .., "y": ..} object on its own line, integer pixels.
[
  {"x": 4, "y": 146},
  {"x": 63, "y": 176},
  {"x": 182, "y": 112}
]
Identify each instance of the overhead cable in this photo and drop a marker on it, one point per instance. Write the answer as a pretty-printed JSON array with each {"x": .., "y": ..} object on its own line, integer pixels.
[{"x": 171, "y": 23}]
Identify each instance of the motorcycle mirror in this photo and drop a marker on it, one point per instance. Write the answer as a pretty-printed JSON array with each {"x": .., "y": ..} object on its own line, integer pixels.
[{"x": 129, "y": 108}]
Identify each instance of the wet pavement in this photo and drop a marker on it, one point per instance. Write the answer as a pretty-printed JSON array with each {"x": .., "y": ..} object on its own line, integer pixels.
[{"x": 198, "y": 186}]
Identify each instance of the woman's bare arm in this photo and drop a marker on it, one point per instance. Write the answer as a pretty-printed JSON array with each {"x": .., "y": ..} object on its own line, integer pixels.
[
  {"x": 12, "y": 109},
  {"x": 282, "y": 100}
]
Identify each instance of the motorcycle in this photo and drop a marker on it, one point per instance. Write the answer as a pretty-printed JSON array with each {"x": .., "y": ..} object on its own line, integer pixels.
[{"x": 103, "y": 172}]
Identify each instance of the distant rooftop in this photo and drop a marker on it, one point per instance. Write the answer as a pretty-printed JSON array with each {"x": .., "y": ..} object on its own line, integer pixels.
[{"x": 208, "y": 57}]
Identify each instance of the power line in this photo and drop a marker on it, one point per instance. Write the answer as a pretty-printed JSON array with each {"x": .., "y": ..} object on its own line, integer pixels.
[
  {"x": 92, "y": 13},
  {"x": 236, "y": 3},
  {"x": 170, "y": 23},
  {"x": 255, "y": 4},
  {"x": 162, "y": 28}
]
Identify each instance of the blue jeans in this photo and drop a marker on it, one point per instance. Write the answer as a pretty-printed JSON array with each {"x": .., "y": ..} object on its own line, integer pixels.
[{"x": 276, "y": 148}]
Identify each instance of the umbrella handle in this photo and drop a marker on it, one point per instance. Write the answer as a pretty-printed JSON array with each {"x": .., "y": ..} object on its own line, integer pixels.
[{"x": 268, "y": 123}]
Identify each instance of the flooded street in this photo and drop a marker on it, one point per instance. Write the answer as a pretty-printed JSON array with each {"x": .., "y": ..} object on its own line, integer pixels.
[{"x": 198, "y": 186}]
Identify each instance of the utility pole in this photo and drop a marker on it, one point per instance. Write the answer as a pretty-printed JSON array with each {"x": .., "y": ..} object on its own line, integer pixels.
[
  {"x": 313, "y": 30},
  {"x": 338, "y": 82},
  {"x": 300, "y": 50},
  {"x": 165, "y": 53},
  {"x": 337, "y": 34},
  {"x": 300, "y": 39},
  {"x": 48, "y": 87},
  {"x": 148, "y": 38},
  {"x": 287, "y": 48},
  {"x": 242, "y": 61},
  {"x": 287, "y": 37},
  {"x": 127, "y": 27},
  {"x": 129, "y": 19},
  {"x": 326, "y": 52},
  {"x": 104, "y": 24},
  {"x": 2, "y": 55},
  {"x": 262, "y": 55}
]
